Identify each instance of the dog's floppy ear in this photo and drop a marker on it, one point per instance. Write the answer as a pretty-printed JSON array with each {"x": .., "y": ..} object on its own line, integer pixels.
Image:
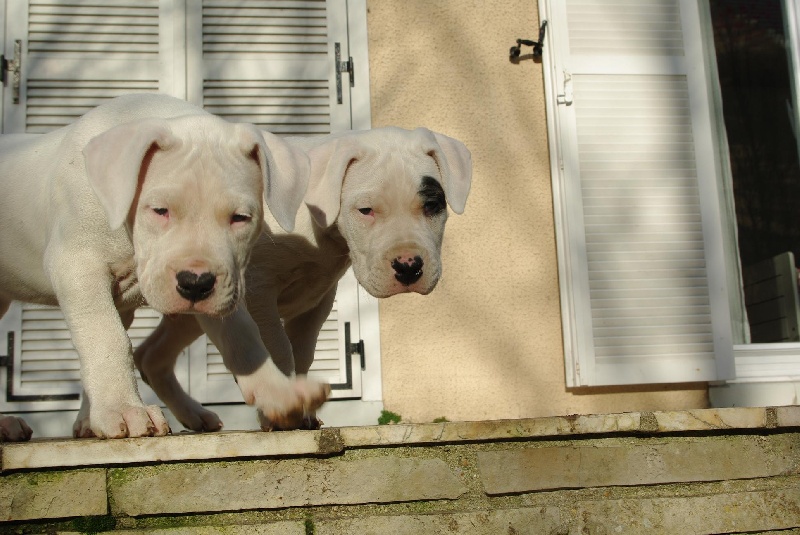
[
  {"x": 114, "y": 160},
  {"x": 284, "y": 170},
  {"x": 329, "y": 163},
  {"x": 455, "y": 164}
]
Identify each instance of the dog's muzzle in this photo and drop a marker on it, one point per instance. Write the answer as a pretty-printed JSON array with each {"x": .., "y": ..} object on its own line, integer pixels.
[
  {"x": 194, "y": 287},
  {"x": 407, "y": 271}
]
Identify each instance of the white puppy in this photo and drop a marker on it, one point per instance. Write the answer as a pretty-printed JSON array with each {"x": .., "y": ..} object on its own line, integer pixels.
[
  {"x": 144, "y": 198},
  {"x": 377, "y": 200}
]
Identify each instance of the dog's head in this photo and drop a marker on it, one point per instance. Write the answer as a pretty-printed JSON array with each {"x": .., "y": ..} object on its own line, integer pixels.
[
  {"x": 190, "y": 192},
  {"x": 388, "y": 189}
]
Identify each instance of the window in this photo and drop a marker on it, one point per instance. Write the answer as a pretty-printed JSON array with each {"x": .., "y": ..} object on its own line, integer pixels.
[
  {"x": 756, "y": 52},
  {"x": 650, "y": 182}
]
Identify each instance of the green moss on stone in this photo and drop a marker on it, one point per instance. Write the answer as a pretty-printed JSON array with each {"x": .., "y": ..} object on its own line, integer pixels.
[
  {"x": 388, "y": 417},
  {"x": 93, "y": 524}
]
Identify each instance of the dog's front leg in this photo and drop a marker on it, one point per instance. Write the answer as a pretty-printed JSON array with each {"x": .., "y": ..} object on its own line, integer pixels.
[
  {"x": 283, "y": 401},
  {"x": 113, "y": 407},
  {"x": 303, "y": 332}
]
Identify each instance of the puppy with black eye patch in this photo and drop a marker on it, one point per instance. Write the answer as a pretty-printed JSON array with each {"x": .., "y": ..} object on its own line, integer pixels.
[{"x": 377, "y": 201}]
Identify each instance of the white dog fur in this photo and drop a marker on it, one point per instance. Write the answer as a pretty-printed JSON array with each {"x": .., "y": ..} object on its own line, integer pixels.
[
  {"x": 376, "y": 200},
  {"x": 144, "y": 198}
]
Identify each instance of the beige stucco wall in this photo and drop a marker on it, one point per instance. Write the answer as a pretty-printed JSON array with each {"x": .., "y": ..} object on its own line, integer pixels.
[{"x": 486, "y": 344}]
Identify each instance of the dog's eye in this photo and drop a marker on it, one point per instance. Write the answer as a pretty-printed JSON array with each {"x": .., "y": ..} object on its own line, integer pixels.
[
  {"x": 431, "y": 208},
  {"x": 161, "y": 211},
  {"x": 240, "y": 218},
  {"x": 432, "y": 196},
  {"x": 366, "y": 211}
]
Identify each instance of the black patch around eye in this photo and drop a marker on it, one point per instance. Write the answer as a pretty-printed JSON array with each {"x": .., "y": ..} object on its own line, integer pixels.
[{"x": 432, "y": 195}]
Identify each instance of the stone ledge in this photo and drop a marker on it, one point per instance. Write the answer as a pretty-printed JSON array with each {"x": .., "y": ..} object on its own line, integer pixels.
[
  {"x": 49, "y": 453},
  {"x": 52, "y": 453}
]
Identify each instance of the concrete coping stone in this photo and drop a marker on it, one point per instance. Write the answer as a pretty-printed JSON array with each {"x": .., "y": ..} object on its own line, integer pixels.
[{"x": 67, "y": 452}]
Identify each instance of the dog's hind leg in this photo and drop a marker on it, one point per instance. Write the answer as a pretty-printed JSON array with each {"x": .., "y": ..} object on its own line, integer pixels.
[
  {"x": 304, "y": 329},
  {"x": 156, "y": 358}
]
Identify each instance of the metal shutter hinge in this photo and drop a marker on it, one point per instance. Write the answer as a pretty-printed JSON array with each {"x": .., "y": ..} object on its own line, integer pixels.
[
  {"x": 349, "y": 349},
  {"x": 353, "y": 347},
  {"x": 358, "y": 347},
  {"x": 13, "y": 66},
  {"x": 5, "y": 360},
  {"x": 342, "y": 66}
]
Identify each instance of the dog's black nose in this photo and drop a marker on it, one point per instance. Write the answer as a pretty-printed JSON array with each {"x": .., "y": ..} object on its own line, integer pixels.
[
  {"x": 407, "y": 271},
  {"x": 195, "y": 287}
]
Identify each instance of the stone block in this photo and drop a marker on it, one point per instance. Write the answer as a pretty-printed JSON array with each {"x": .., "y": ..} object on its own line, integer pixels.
[
  {"x": 743, "y": 512},
  {"x": 711, "y": 419},
  {"x": 41, "y": 495},
  {"x": 533, "y": 521},
  {"x": 610, "y": 464},
  {"x": 262, "y": 484},
  {"x": 788, "y": 416}
]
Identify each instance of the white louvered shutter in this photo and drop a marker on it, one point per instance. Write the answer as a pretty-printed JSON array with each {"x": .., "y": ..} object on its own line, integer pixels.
[
  {"x": 44, "y": 361},
  {"x": 271, "y": 63},
  {"x": 643, "y": 282},
  {"x": 74, "y": 55}
]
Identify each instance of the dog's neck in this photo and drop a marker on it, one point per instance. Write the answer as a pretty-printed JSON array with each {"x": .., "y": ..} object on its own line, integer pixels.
[{"x": 331, "y": 237}]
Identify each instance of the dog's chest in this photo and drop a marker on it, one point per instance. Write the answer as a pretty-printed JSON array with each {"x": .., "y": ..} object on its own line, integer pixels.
[
  {"x": 304, "y": 287},
  {"x": 296, "y": 269}
]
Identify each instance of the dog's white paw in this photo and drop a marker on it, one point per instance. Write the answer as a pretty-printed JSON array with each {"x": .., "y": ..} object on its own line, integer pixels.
[
  {"x": 308, "y": 422},
  {"x": 282, "y": 402},
  {"x": 128, "y": 421},
  {"x": 13, "y": 429}
]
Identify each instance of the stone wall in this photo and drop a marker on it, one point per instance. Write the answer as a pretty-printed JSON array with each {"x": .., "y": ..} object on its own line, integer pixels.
[{"x": 704, "y": 471}]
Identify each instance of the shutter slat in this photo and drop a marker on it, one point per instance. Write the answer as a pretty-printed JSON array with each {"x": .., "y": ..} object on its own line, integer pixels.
[
  {"x": 608, "y": 28},
  {"x": 48, "y": 363},
  {"x": 119, "y": 40},
  {"x": 293, "y": 28},
  {"x": 327, "y": 358}
]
